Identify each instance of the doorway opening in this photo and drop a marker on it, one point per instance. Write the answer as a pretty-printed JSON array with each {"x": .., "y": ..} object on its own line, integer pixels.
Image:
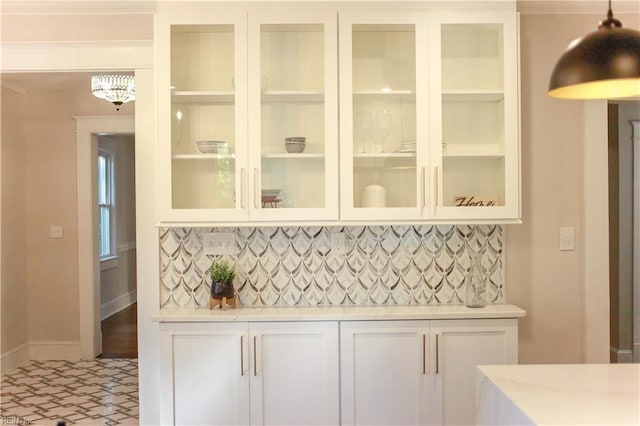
[
  {"x": 624, "y": 235},
  {"x": 115, "y": 226}
]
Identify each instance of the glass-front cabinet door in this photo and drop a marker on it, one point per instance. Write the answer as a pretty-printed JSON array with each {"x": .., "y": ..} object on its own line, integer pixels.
[
  {"x": 248, "y": 114},
  {"x": 474, "y": 114},
  {"x": 203, "y": 116},
  {"x": 383, "y": 127},
  {"x": 293, "y": 131}
]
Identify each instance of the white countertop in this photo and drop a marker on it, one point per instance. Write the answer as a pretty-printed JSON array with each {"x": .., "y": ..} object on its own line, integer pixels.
[
  {"x": 337, "y": 313},
  {"x": 593, "y": 394}
]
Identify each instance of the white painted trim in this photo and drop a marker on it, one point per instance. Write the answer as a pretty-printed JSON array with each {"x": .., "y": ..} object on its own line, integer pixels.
[
  {"x": 86, "y": 55},
  {"x": 595, "y": 232},
  {"x": 559, "y": 7},
  {"x": 15, "y": 357},
  {"x": 119, "y": 303},
  {"x": 621, "y": 356},
  {"x": 109, "y": 263},
  {"x": 124, "y": 247},
  {"x": 88, "y": 272},
  {"x": 43, "y": 350},
  {"x": 58, "y": 7}
]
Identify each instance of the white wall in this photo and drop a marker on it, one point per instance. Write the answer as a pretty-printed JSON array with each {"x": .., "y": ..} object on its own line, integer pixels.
[
  {"x": 15, "y": 319},
  {"x": 564, "y": 306}
]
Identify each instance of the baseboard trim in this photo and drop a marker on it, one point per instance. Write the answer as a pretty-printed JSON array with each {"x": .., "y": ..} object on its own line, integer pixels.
[
  {"x": 636, "y": 352},
  {"x": 119, "y": 303},
  {"x": 42, "y": 350},
  {"x": 15, "y": 357},
  {"x": 622, "y": 356}
]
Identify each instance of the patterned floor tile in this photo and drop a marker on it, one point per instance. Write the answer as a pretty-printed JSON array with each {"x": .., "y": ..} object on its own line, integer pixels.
[{"x": 101, "y": 392}]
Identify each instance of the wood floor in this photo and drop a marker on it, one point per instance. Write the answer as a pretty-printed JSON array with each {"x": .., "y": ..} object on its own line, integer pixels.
[{"x": 120, "y": 334}]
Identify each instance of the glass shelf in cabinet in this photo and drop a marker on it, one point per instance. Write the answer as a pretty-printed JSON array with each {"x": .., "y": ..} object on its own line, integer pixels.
[
  {"x": 467, "y": 154},
  {"x": 307, "y": 156},
  {"x": 384, "y": 155},
  {"x": 472, "y": 95},
  {"x": 292, "y": 96},
  {"x": 202, "y": 97},
  {"x": 204, "y": 156},
  {"x": 385, "y": 93}
]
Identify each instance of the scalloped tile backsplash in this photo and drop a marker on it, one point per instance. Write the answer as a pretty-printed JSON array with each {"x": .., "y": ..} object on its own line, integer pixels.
[{"x": 392, "y": 265}]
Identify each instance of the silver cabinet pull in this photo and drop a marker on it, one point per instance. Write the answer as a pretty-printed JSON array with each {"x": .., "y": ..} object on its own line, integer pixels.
[
  {"x": 255, "y": 363},
  {"x": 242, "y": 183},
  {"x": 424, "y": 354},
  {"x": 422, "y": 188},
  {"x": 255, "y": 188},
  {"x": 437, "y": 355},
  {"x": 242, "y": 355},
  {"x": 435, "y": 178}
]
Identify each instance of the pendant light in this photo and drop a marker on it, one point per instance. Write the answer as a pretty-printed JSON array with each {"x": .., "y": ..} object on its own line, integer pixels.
[
  {"x": 117, "y": 89},
  {"x": 604, "y": 64}
]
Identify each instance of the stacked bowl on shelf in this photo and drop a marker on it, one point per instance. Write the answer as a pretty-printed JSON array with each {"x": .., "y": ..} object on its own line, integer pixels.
[
  {"x": 213, "y": 147},
  {"x": 295, "y": 144}
]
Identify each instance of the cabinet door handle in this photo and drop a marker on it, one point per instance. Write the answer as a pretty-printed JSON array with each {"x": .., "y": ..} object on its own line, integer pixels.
[
  {"x": 437, "y": 355},
  {"x": 255, "y": 188},
  {"x": 242, "y": 183},
  {"x": 435, "y": 179},
  {"x": 424, "y": 354},
  {"x": 242, "y": 355},
  {"x": 422, "y": 188},
  {"x": 255, "y": 363}
]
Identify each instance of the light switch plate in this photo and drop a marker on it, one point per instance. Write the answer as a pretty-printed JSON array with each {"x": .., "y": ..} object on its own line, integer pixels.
[
  {"x": 219, "y": 243},
  {"x": 55, "y": 231},
  {"x": 567, "y": 239}
]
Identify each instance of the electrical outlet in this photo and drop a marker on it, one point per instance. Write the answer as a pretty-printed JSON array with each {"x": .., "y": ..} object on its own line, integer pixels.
[
  {"x": 55, "y": 231},
  {"x": 219, "y": 243},
  {"x": 338, "y": 243},
  {"x": 567, "y": 239}
]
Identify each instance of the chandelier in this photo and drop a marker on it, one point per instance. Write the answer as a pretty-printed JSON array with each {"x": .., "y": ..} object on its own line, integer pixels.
[{"x": 117, "y": 89}]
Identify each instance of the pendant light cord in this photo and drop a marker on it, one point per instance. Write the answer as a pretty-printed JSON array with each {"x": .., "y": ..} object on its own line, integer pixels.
[{"x": 610, "y": 22}]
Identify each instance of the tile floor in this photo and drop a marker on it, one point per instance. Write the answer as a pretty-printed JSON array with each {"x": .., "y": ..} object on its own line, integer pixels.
[{"x": 101, "y": 392}]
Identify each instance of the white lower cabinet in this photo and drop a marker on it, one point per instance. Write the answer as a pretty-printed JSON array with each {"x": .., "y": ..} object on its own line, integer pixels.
[
  {"x": 418, "y": 372},
  {"x": 378, "y": 372},
  {"x": 250, "y": 373},
  {"x": 459, "y": 347},
  {"x": 383, "y": 368}
]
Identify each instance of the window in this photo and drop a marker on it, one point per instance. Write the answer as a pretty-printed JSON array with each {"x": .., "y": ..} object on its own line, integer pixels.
[{"x": 106, "y": 204}]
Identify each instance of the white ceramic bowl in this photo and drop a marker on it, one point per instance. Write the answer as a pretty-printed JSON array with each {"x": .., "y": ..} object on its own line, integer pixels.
[{"x": 294, "y": 148}]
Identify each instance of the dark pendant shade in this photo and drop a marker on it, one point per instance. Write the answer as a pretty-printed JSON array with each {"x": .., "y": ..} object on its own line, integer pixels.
[{"x": 604, "y": 64}]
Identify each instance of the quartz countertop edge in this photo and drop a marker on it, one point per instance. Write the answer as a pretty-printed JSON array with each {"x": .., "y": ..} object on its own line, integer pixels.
[
  {"x": 553, "y": 394},
  {"x": 338, "y": 313}
]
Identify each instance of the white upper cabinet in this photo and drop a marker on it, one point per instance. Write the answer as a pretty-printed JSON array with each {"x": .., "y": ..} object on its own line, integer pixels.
[
  {"x": 233, "y": 88},
  {"x": 266, "y": 117},
  {"x": 202, "y": 98},
  {"x": 293, "y": 127},
  {"x": 383, "y": 116},
  {"x": 474, "y": 116}
]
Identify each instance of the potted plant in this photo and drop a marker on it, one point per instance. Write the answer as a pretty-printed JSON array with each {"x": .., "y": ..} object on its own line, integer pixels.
[{"x": 221, "y": 280}]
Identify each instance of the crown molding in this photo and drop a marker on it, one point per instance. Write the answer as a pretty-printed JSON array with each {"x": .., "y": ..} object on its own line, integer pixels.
[
  {"x": 77, "y": 55},
  {"x": 76, "y": 7},
  {"x": 559, "y": 7}
]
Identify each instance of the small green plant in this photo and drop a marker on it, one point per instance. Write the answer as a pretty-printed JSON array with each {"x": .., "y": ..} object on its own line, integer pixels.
[{"x": 221, "y": 272}]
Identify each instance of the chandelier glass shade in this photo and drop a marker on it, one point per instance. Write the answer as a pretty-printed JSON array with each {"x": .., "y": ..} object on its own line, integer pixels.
[
  {"x": 117, "y": 89},
  {"x": 604, "y": 64}
]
